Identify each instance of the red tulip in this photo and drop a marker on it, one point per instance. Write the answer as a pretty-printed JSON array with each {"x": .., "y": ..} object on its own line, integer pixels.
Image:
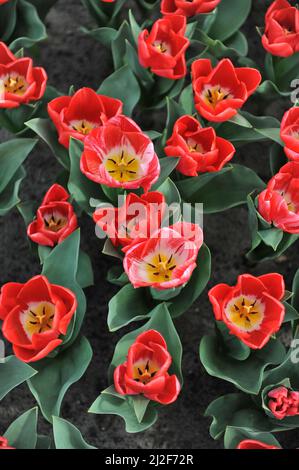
[
  {"x": 187, "y": 8},
  {"x": 254, "y": 444},
  {"x": 3, "y": 441},
  {"x": 221, "y": 91},
  {"x": 146, "y": 370},
  {"x": 199, "y": 149},
  {"x": 279, "y": 203},
  {"x": 76, "y": 116},
  {"x": 167, "y": 259},
  {"x": 35, "y": 315},
  {"x": 20, "y": 82},
  {"x": 281, "y": 36},
  {"x": 55, "y": 219},
  {"x": 252, "y": 310},
  {"x": 1, "y": 3},
  {"x": 283, "y": 402},
  {"x": 139, "y": 217},
  {"x": 163, "y": 49},
  {"x": 119, "y": 155},
  {"x": 289, "y": 133}
]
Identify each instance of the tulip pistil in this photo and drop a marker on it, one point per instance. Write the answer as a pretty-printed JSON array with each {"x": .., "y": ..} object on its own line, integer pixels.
[
  {"x": 214, "y": 95},
  {"x": 144, "y": 371},
  {"x": 246, "y": 312},
  {"x": 291, "y": 205},
  {"x": 15, "y": 84},
  {"x": 83, "y": 126},
  {"x": 162, "y": 47},
  {"x": 38, "y": 318},
  {"x": 55, "y": 222},
  {"x": 160, "y": 267},
  {"x": 122, "y": 167}
]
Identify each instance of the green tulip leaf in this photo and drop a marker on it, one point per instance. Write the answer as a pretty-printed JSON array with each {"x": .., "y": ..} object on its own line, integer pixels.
[
  {"x": 56, "y": 375},
  {"x": 13, "y": 372},
  {"x": 22, "y": 434},
  {"x": 67, "y": 436},
  {"x": 247, "y": 375},
  {"x": 233, "y": 436}
]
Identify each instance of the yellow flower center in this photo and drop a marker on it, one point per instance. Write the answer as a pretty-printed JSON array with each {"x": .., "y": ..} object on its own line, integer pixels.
[
  {"x": 122, "y": 167},
  {"x": 15, "y": 84},
  {"x": 55, "y": 221},
  {"x": 288, "y": 31},
  {"x": 215, "y": 94},
  {"x": 83, "y": 126},
  {"x": 194, "y": 146},
  {"x": 160, "y": 267},
  {"x": 162, "y": 47},
  {"x": 38, "y": 318},
  {"x": 144, "y": 371},
  {"x": 245, "y": 312},
  {"x": 291, "y": 205}
]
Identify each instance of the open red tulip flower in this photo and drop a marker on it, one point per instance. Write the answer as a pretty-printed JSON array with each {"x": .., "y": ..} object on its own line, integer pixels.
[
  {"x": 279, "y": 202},
  {"x": 248, "y": 444},
  {"x": 35, "y": 315},
  {"x": 20, "y": 82},
  {"x": 1, "y": 3},
  {"x": 55, "y": 219},
  {"x": 283, "y": 402},
  {"x": 163, "y": 49},
  {"x": 187, "y": 8},
  {"x": 146, "y": 370},
  {"x": 138, "y": 217},
  {"x": 76, "y": 116},
  {"x": 4, "y": 445},
  {"x": 120, "y": 155},
  {"x": 252, "y": 310},
  {"x": 199, "y": 149},
  {"x": 281, "y": 36},
  {"x": 167, "y": 259},
  {"x": 219, "y": 92},
  {"x": 289, "y": 133}
]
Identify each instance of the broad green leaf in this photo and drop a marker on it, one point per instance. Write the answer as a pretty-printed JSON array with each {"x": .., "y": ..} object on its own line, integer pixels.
[
  {"x": 123, "y": 85},
  {"x": 12, "y": 154},
  {"x": 81, "y": 188},
  {"x": 113, "y": 403},
  {"x": 271, "y": 237},
  {"x": 55, "y": 376},
  {"x": 43, "y": 6},
  {"x": 230, "y": 17},
  {"x": 104, "y": 35},
  {"x": 61, "y": 267},
  {"x": 46, "y": 130},
  {"x": 234, "y": 435},
  {"x": 247, "y": 375},
  {"x": 128, "y": 305},
  {"x": 22, "y": 434},
  {"x": 221, "y": 190},
  {"x": 277, "y": 158},
  {"x": 223, "y": 409},
  {"x": 8, "y": 19},
  {"x": 140, "y": 404},
  {"x": 29, "y": 27},
  {"x": 67, "y": 436},
  {"x": 9, "y": 198},
  {"x": 13, "y": 372},
  {"x": 167, "y": 165}
]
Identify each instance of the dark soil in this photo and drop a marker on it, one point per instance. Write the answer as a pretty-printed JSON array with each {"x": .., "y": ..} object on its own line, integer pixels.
[{"x": 73, "y": 59}]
